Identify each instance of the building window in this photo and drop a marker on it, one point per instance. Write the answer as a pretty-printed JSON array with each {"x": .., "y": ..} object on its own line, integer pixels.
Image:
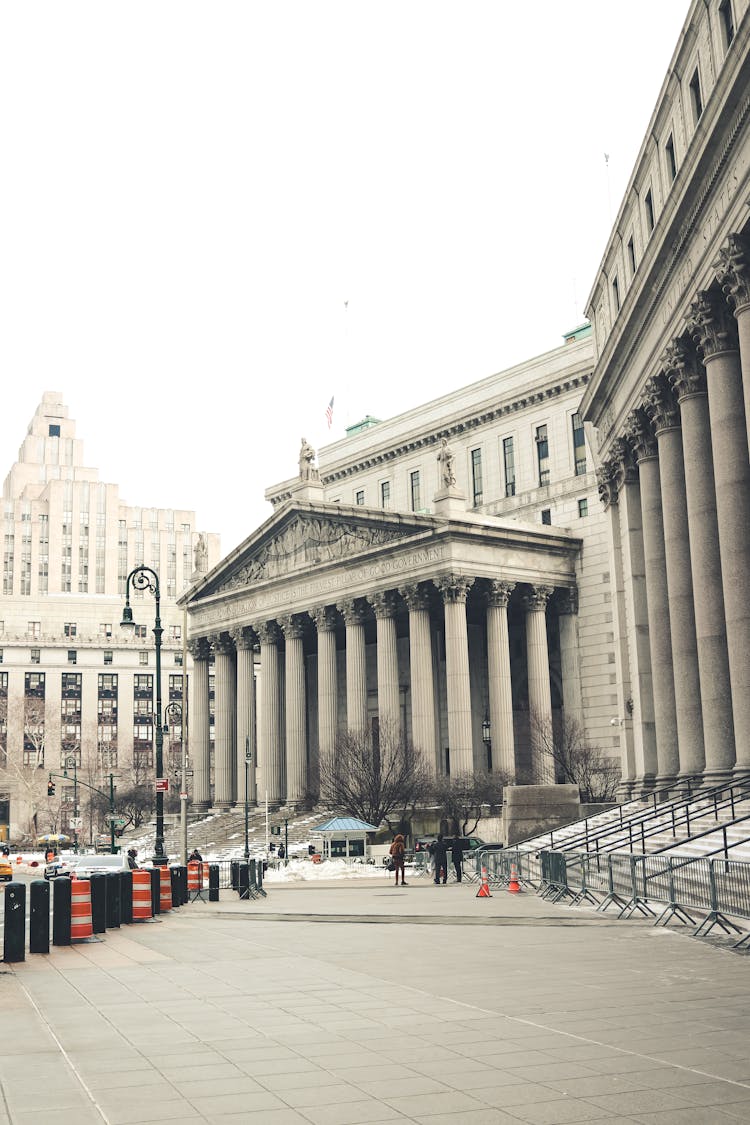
[
  {"x": 695, "y": 96},
  {"x": 616, "y": 293},
  {"x": 546, "y": 515},
  {"x": 415, "y": 491},
  {"x": 108, "y": 656},
  {"x": 105, "y": 630},
  {"x": 579, "y": 445},
  {"x": 175, "y": 632},
  {"x": 385, "y": 494},
  {"x": 648, "y": 203},
  {"x": 69, "y": 629},
  {"x": 727, "y": 22},
  {"x": 140, "y": 632},
  {"x": 72, "y": 656},
  {"x": 178, "y": 659},
  {"x": 671, "y": 158},
  {"x": 36, "y": 656},
  {"x": 631, "y": 254},
  {"x": 143, "y": 658},
  {"x": 54, "y": 431},
  {"x": 509, "y": 465},
  {"x": 35, "y": 629},
  {"x": 476, "y": 476},
  {"x": 542, "y": 454},
  {"x": 359, "y": 497},
  {"x": 1, "y": 656},
  {"x": 583, "y": 508}
]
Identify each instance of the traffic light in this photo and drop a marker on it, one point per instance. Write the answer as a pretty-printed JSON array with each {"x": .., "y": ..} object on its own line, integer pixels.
[{"x": 50, "y": 788}]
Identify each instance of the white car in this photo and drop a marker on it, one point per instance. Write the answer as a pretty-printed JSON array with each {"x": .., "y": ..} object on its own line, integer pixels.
[{"x": 81, "y": 866}]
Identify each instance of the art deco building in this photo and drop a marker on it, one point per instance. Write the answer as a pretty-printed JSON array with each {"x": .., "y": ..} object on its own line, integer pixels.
[
  {"x": 670, "y": 400},
  {"x": 444, "y": 571},
  {"x": 71, "y": 682}
]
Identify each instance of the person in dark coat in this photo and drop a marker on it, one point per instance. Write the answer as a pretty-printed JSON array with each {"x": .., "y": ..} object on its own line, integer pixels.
[
  {"x": 457, "y": 855},
  {"x": 195, "y": 856},
  {"x": 132, "y": 860},
  {"x": 440, "y": 857},
  {"x": 397, "y": 854}
]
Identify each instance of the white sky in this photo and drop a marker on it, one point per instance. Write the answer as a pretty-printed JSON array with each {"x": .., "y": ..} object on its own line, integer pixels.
[{"x": 190, "y": 192}]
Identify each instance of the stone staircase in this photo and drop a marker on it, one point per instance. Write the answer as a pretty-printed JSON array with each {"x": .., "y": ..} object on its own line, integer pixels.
[{"x": 222, "y": 833}]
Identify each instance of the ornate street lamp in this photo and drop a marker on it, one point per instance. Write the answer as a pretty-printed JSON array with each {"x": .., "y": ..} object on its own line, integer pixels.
[
  {"x": 71, "y": 760},
  {"x": 173, "y": 711},
  {"x": 487, "y": 740},
  {"x": 144, "y": 578}
]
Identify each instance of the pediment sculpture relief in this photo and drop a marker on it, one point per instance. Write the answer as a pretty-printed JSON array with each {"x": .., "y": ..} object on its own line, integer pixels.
[{"x": 306, "y": 543}]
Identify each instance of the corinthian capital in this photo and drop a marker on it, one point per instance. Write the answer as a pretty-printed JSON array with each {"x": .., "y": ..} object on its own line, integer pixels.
[
  {"x": 712, "y": 325},
  {"x": 623, "y": 459},
  {"x": 325, "y": 618},
  {"x": 199, "y": 648},
  {"x": 383, "y": 603},
  {"x": 268, "y": 632},
  {"x": 660, "y": 404},
  {"x": 498, "y": 592},
  {"x": 733, "y": 271},
  {"x": 415, "y": 595},
  {"x": 291, "y": 626},
  {"x": 607, "y": 482},
  {"x": 684, "y": 369},
  {"x": 454, "y": 587},
  {"x": 221, "y": 643},
  {"x": 242, "y": 636},
  {"x": 536, "y": 598},
  {"x": 641, "y": 435},
  {"x": 352, "y": 610}
]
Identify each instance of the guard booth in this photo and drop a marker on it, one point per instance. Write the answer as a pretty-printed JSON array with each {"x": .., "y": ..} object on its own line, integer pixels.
[{"x": 345, "y": 837}]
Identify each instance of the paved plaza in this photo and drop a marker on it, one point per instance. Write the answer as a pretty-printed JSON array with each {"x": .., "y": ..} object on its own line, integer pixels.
[{"x": 335, "y": 1005}]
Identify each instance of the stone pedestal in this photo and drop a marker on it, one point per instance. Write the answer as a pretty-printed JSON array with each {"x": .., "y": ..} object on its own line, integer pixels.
[
  {"x": 449, "y": 502},
  {"x": 529, "y": 810}
]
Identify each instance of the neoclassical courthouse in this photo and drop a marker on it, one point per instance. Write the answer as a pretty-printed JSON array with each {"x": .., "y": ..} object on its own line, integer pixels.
[{"x": 446, "y": 595}]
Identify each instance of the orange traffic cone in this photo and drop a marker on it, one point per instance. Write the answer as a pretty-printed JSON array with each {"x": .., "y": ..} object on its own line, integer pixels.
[
  {"x": 513, "y": 885},
  {"x": 484, "y": 888}
]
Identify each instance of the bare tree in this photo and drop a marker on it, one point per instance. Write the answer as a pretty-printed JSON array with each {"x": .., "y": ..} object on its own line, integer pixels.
[
  {"x": 374, "y": 777},
  {"x": 462, "y": 796},
  {"x": 34, "y": 731},
  {"x": 576, "y": 761}
]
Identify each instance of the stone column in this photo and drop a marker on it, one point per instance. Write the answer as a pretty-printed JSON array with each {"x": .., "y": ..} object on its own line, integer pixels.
[
  {"x": 296, "y": 711},
  {"x": 733, "y": 271},
  {"x": 269, "y": 749},
  {"x": 625, "y": 732},
  {"x": 389, "y": 698},
  {"x": 660, "y": 640},
  {"x": 356, "y": 669},
  {"x": 224, "y": 720},
  {"x": 454, "y": 589},
  {"x": 540, "y": 694},
  {"x": 715, "y": 334},
  {"x": 662, "y": 409},
  {"x": 566, "y": 602},
  {"x": 688, "y": 377},
  {"x": 244, "y": 642},
  {"x": 199, "y": 745},
  {"x": 325, "y": 623},
  {"x": 421, "y": 674},
  {"x": 499, "y": 681}
]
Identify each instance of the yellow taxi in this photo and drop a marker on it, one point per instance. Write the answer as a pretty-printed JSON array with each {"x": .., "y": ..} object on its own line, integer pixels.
[{"x": 6, "y": 868}]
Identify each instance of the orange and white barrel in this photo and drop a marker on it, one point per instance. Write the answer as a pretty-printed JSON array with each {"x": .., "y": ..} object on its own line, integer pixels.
[
  {"x": 141, "y": 895},
  {"x": 206, "y": 871},
  {"x": 81, "y": 923},
  {"x": 195, "y": 877},
  {"x": 165, "y": 889}
]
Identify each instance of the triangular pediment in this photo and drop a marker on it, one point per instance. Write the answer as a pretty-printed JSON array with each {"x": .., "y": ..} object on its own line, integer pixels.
[{"x": 296, "y": 540}]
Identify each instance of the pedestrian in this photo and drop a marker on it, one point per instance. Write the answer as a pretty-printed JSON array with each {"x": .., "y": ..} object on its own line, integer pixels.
[
  {"x": 440, "y": 857},
  {"x": 457, "y": 855},
  {"x": 195, "y": 856},
  {"x": 282, "y": 851},
  {"x": 397, "y": 857},
  {"x": 132, "y": 861}
]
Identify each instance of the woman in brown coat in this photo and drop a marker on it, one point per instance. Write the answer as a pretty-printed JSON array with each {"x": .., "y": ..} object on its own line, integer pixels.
[{"x": 397, "y": 856}]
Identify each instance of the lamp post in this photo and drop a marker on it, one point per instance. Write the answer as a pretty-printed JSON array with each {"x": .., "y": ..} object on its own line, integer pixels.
[
  {"x": 173, "y": 711},
  {"x": 487, "y": 740},
  {"x": 71, "y": 760},
  {"x": 248, "y": 763},
  {"x": 144, "y": 578}
]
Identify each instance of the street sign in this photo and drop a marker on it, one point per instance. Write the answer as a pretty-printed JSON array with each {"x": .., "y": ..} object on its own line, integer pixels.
[
  {"x": 118, "y": 821},
  {"x": 275, "y": 829},
  {"x": 183, "y": 796},
  {"x": 161, "y": 784},
  {"x": 76, "y": 821}
]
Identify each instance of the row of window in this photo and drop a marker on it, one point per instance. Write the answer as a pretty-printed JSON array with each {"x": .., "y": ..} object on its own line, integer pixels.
[
  {"x": 541, "y": 438},
  {"x": 70, "y": 630}
]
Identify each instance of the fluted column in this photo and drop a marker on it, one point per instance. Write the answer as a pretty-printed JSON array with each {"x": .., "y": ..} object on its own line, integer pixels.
[
  {"x": 224, "y": 720},
  {"x": 537, "y": 670},
  {"x": 454, "y": 589},
  {"x": 199, "y": 747},
  {"x": 389, "y": 699},
  {"x": 296, "y": 725},
  {"x": 498, "y": 673},
  {"x": 269, "y": 748},
  {"x": 325, "y": 623},
  {"x": 566, "y": 602},
  {"x": 244, "y": 641},
  {"x": 660, "y": 641},
  {"x": 421, "y": 673},
  {"x": 715, "y": 334},
  {"x": 688, "y": 377},
  {"x": 356, "y": 669},
  {"x": 734, "y": 278},
  {"x": 662, "y": 409}
]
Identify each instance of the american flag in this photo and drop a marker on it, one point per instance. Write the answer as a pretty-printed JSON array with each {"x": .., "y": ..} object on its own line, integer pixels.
[{"x": 329, "y": 413}]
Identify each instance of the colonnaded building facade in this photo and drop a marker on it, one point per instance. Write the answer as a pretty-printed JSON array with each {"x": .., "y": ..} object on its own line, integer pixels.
[
  {"x": 441, "y": 572},
  {"x": 72, "y": 683},
  {"x": 670, "y": 400}
]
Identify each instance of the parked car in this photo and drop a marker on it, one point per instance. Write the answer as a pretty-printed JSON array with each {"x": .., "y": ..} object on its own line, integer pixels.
[
  {"x": 468, "y": 843},
  {"x": 81, "y": 866},
  {"x": 60, "y": 865},
  {"x": 6, "y": 868}
]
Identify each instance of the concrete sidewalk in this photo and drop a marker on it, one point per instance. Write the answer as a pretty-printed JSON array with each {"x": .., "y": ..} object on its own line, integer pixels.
[{"x": 460, "y": 1010}]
